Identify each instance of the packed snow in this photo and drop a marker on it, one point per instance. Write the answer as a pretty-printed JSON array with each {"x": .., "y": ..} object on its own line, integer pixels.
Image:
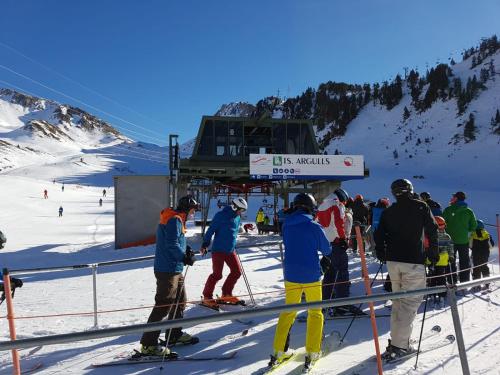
[{"x": 37, "y": 237}]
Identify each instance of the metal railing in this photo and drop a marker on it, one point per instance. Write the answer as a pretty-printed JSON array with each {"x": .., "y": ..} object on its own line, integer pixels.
[
  {"x": 190, "y": 322},
  {"x": 94, "y": 266}
]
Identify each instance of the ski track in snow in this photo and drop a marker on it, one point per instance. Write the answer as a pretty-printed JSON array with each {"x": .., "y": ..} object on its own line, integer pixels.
[{"x": 38, "y": 238}]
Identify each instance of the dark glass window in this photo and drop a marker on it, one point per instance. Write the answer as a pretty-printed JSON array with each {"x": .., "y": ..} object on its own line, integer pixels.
[
  {"x": 206, "y": 146},
  {"x": 221, "y": 138},
  {"x": 235, "y": 138},
  {"x": 257, "y": 139},
  {"x": 306, "y": 139},
  {"x": 293, "y": 138},
  {"x": 279, "y": 138}
]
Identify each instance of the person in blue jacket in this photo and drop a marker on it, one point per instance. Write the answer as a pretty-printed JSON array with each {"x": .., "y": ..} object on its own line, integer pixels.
[
  {"x": 224, "y": 226},
  {"x": 171, "y": 255},
  {"x": 303, "y": 238}
]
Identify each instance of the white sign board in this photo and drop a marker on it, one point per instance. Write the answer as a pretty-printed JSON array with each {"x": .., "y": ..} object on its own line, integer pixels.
[{"x": 304, "y": 167}]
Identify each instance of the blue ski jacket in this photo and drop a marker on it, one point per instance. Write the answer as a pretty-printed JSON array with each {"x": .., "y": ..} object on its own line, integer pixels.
[
  {"x": 170, "y": 246},
  {"x": 225, "y": 226},
  {"x": 303, "y": 238}
]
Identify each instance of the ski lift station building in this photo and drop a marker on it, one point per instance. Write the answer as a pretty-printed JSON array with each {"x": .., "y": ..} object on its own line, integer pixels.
[{"x": 224, "y": 163}]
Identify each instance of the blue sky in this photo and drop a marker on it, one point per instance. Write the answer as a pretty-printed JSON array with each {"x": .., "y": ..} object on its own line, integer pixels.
[{"x": 166, "y": 63}]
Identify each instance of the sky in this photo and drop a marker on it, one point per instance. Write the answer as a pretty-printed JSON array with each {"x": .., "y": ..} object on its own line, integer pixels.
[{"x": 162, "y": 65}]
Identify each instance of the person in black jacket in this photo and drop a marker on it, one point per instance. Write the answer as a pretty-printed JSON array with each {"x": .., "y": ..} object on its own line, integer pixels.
[
  {"x": 360, "y": 214},
  {"x": 399, "y": 242},
  {"x": 433, "y": 205}
]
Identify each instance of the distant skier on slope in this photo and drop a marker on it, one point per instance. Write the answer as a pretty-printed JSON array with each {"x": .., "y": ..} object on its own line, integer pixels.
[
  {"x": 224, "y": 226},
  {"x": 100, "y": 202},
  {"x": 302, "y": 239},
  {"x": 62, "y": 188},
  {"x": 104, "y": 192},
  {"x": 398, "y": 241},
  {"x": 171, "y": 255},
  {"x": 45, "y": 194},
  {"x": 61, "y": 211}
]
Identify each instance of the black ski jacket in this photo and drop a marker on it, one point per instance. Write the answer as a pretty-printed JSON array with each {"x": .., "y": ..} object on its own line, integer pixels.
[
  {"x": 401, "y": 230},
  {"x": 360, "y": 212}
]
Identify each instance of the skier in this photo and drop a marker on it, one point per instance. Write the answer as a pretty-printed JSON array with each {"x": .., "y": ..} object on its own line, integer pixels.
[
  {"x": 281, "y": 217},
  {"x": 45, "y": 194},
  {"x": 259, "y": 219},
  {"x": 267, "y": 221},
  {"x": 224, "y": 225},
  {"x": 446, "y": 255},
  {"x": 104, "y": 193},
  {"x": 433, "y": 205},
  {"x": 100, "y": 202},
  {"x": 303, "y": 238},
  {"x": 171, "y": 255},
  {"x": 60, "y": 211},
  {"x": 331, "y": 216},
  {"x": 62, "y": 188},
  {"x": 381, "y": 205},
  {"x": 398, "y": 241},
  {"x": 248, "y": 227},
  {"x": 360, "y": 214},
  {"x": 14, "y": 283},
  {"x": 460, "y": 221},
  {"x": 480, "y": 242}
]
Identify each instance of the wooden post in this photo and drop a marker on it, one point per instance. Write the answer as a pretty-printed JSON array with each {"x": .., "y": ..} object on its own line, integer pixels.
[
  {"x": 10, "y": 317},
  {"x": 368, "y": 293}
]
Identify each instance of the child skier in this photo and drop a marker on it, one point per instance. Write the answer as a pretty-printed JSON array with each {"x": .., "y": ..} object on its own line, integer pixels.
[
  {"x": 480, "y": 242},
  {"x": 446, "y": 255},
  {"x": 303, "y": 238}
]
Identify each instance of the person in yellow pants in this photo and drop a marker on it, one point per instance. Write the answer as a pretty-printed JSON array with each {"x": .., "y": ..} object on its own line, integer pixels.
[{"x": 302, "y": 238}]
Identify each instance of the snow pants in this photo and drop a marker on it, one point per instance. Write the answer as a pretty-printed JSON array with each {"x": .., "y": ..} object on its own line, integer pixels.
[
  {"x": 169, "y": 290},
  {"x": 293, "y": 294},
  {"x": 218, "y": 260},
  {"x": 463, "y": 262},
  {"x": 438, "y": 278},
  {"x": 404, "y": 276},
  {"x": 336, "y": 280},
  {"x": 479, "y": 258}
]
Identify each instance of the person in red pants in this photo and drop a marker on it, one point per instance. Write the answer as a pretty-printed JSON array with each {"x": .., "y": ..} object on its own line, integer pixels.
[{"x": 224, "y": 226}]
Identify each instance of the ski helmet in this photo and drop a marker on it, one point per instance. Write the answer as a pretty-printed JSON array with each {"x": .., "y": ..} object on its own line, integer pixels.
[
  {"x": 480, "y": 224},
  {"x": 386, "y": 202},
  {"x": 342, "y": 195},
  {"x": 305, "y": 201},
  {"x": 440, "y": 222},
  {"x": 239, "y": 204},
  {"x": 187, "y": 203},
  {"x": 425, "y": 195},
  {"x": 401, "y": 187},
  {"x": 358, "y": 197}
]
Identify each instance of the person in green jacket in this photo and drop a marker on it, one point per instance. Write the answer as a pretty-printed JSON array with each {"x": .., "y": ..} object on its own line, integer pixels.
[{"x": 460, "y": 221}]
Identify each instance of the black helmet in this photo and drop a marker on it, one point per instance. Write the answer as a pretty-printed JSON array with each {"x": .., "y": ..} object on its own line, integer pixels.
[
  {"x": 342, "y": 195},
  {"x": 425, "y": 195},
  {"x": 305, "y": 201},
  {"x": 401, "y": 187},
  {"x": 187, "y": 203}
]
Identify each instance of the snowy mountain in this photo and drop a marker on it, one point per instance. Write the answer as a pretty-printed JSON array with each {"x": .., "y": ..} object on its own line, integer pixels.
[{"x": 42, "y": 134}]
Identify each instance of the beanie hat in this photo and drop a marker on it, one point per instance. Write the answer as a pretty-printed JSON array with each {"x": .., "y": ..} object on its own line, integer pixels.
[{"x": 460, "y": 195}]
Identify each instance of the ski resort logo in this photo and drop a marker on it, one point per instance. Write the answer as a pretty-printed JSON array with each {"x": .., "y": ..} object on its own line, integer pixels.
[
  {"x": 348, "y": 161},
  {"x": 260, "y": 161},
  {"x": 277, "y": 160}
]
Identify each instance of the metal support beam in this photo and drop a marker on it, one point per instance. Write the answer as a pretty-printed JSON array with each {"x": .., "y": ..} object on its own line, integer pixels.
[{"x": 452, "y": 299}]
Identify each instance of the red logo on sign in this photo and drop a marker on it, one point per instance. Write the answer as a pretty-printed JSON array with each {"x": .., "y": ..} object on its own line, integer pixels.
[{"x": 348, "y": 162}]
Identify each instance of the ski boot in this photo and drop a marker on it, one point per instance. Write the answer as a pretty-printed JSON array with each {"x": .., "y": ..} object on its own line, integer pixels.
[
  {"x": 229, "y": 300},
  {"x": 310, "y": 361},
  {"x": 278, "y": 358},
  {"x": 157, "y": 351},
  {"x": 210, "y": 303},
  {"x": 393, "y": 352},
  {"x": 183, "y": 339}
]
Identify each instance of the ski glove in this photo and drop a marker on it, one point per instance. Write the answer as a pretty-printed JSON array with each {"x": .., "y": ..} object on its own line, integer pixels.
[
  {"x": 325, "y": 264},
  {"x": 433, "y": 254},
  {"x": 189, "y": 257}
]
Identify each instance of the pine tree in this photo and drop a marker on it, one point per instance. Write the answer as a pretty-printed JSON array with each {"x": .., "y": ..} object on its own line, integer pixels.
[
  {"x": 491, "y": 70},
  {"x": 406, "y": 114},
  {"x": 497, "y": 117},
  {"x": 470, "y": 129}
]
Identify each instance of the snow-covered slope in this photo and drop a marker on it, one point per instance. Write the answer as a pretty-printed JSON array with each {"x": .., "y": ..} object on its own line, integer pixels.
[{"x": 62, "y": 142}]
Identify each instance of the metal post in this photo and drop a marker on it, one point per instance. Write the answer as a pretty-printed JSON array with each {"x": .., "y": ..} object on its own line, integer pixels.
[
  {"x": 452, "y": 299},
  {"x": 94, "y": 292},
  {"x": 16, "y": 370}
]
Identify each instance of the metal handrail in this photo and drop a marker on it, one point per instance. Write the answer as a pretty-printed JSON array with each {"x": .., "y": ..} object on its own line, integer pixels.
[
  {"x": 189, "y": 322},
  {"x": 111, "y": 262}
]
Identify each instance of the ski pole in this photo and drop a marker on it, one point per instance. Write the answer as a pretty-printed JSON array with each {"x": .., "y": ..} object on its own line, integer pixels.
[
  {"x": 177, "y": 302},
  {"x": 359, "y": 306},
  {"x": 243, "y": 273},
  {"x": 421, "y": 330}
]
